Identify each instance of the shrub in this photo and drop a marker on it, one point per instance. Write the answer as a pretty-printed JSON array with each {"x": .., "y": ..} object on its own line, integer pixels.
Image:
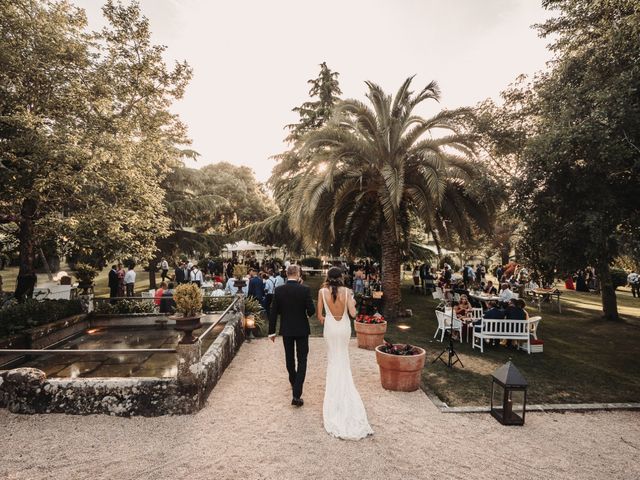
[
  {"x": 188, "y": 298},
  {"x": 20, "y": 316},
  {"x": 618, "y": 277},
  {"x": 239, "y": 271},
  {"x": 312, "y": 262},
  {"x": 125, "y": 306},
  {"x": 85, "y": 273},
  {"x": 216, "y": 304}
]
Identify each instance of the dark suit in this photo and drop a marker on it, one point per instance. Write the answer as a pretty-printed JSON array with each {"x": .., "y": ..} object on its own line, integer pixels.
[
  {"x": 293, "y": 303},
  {"x": 113, "y": 283},
  {"x": 256, "y": 288},
  {"x": 180, "y": 277}
]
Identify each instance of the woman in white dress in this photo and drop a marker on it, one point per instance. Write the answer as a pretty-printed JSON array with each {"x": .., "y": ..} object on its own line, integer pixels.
[{"x": 343, "y": 411}]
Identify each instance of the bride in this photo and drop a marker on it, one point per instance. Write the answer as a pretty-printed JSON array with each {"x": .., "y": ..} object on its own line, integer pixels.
[{"x": 343, "y": 410}]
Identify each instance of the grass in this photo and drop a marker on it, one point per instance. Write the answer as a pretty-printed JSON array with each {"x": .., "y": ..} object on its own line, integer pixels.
[{"x": 586, "y": 359}]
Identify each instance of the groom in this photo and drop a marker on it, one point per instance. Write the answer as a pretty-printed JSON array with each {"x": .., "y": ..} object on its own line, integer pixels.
[{"x": 293, "y": 302}]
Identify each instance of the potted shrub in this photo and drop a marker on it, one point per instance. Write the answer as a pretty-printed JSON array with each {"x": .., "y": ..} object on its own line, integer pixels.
[
  {"x": 239, "y": 272},
  {"x": 188, "y": 300},
  {"x": 85, "y": 274},
  {"x": 370, "y": 330},
  {"x": 400, "y": 366}
]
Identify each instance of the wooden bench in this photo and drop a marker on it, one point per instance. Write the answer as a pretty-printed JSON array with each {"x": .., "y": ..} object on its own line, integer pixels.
[{"x": 506, "y": 329}]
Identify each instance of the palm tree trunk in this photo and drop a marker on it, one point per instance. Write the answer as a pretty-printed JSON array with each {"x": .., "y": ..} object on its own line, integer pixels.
[{"x": 390, "y": 273}]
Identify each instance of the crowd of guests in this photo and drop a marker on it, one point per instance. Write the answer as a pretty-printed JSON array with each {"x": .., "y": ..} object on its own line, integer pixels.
[{"x": 583, "y": 281}]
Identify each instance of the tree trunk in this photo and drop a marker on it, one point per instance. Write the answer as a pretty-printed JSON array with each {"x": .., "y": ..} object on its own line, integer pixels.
[
  {"x": 26, "y": 275},
  {"x": 608, "y": 292},
  {"x": 390, "y": 273},
  {"x": 505, "y": 253}
]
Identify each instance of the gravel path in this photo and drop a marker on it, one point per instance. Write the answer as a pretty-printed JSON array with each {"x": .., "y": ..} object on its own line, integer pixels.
[{"x": 249, "y": 431}]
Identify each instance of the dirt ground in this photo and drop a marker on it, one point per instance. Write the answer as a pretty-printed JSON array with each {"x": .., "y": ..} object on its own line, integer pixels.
[{"x": 249, "y": 430}]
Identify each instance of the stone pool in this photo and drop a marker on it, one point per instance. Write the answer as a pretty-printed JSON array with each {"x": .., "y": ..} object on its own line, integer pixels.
[{"x": 162, "y": 365}]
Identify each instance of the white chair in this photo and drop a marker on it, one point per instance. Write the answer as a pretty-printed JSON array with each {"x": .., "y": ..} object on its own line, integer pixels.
[
  {"x": 444, "y": 323},
  {"x": 438, "y": 295}
]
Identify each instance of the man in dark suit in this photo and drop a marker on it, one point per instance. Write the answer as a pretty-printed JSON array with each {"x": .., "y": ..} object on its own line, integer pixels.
[
  {"x": 293, "y": 302},
  {"x": 180, "y": 276},
  {"x": 256, "y": 286},
  {"x": 113, "y": 282}
]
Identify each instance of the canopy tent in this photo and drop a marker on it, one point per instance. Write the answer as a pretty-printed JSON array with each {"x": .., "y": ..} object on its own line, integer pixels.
[
  {"x": 443, "y": 251},
  {"x": 243, "y": 246}
]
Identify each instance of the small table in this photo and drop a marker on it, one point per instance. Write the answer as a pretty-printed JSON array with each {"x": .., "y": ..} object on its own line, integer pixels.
[
  {"x": 540, "y": 294},
  {"x": 483, "y": 297}
]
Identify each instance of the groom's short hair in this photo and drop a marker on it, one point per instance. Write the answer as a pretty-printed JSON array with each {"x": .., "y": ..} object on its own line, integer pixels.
[{"x": 293, "y": 271}]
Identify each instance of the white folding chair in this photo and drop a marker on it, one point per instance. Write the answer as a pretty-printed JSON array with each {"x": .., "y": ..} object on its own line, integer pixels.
[
  {"x": 438, "y": 295},
  {"x": 475, "y": 314},
  {"x": 444, "y": 323}
]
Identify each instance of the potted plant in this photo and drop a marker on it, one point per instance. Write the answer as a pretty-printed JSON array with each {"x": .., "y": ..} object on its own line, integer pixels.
[
  {"x": 85, "y": 274},
  {"x": 400, "y": 366},
  {"x": 188, "y": 300},
  {"x": 239, "y": 272},
  {"x": 370, "y": 330}
]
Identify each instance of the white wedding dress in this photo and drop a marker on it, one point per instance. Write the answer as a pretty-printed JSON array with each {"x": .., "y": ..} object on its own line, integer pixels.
[{"x": 343, "y": 410}]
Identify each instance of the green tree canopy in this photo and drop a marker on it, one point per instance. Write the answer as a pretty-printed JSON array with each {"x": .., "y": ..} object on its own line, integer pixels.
[
  {"x": 373, "y": 166},
  {"x": 86, "y": 134}
]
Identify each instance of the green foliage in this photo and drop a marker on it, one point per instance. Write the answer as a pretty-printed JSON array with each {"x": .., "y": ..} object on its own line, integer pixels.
[
  {"x": 86, "y": 132},
  {"x": 188, "y": 298},
  {"x": 216, "y": 304},
  {"x": 618, "y": 277},
  {"x": 239, "y": 271},
  {"x": 31, "y": 313},
  {"x": 581, "y": 166},
  {"x": 85, "y": 273},
  {"x": 252, "y": 306},
  {"x": 452, "y": 263},
  {"x": 125, "y": 307},
  {"x": 313, "y": 262}
]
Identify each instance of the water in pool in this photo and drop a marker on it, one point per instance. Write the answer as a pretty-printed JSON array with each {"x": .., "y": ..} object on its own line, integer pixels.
[{"x": 117, "y": 365}]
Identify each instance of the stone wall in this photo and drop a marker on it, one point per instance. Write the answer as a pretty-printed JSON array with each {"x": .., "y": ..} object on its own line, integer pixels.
[{"x": 27, "y": 390}]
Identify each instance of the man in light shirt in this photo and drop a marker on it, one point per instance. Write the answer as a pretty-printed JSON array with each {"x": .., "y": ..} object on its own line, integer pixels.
[
  {"x": 634, "y": 280},
  {"x": 130, "y": 281},
  {"x": 196, "y": 276},
  {"x": 505, "y": 293}
]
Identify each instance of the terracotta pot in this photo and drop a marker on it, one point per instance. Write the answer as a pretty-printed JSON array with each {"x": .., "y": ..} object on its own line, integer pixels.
[
  {"x": 400, "y": 373},
  {"x": 187, "y": 325},
  {"x": 370, "y": 335}
]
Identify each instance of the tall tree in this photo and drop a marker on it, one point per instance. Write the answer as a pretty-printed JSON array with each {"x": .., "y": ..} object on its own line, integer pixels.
[
  {"x": 373, "y": 166},
  {"x": 86, "y": 134},
  {"x": 579, "y": 194}
]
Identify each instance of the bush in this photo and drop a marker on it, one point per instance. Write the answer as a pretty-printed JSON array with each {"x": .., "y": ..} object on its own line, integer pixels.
[
  {"x": 188, "y": 298},
  {"x": 85, "y": 273},
  {"x": 31, "y": 313},
  {"x": 618, "y": 277},
  {"x": 125, "y": 306},
  {"x": 216, "y": 304},
  {"x": 313, "y": 262}
]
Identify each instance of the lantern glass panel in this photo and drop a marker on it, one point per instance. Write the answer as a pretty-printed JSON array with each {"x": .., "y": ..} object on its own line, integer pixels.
[
  {"x": 515, "y": 406},
  {"x": 497, "y": 398}
]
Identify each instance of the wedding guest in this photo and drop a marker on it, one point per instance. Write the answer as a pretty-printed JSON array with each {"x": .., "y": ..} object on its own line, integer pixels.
[
  {"x": 113, "y": 282},
  {"x": 463, "y": 308},
  {"x": 581, "y": 284},
  {"x": 157, "y": 297},
  {"x": 256, "y": 286},
  {"x": 167, "y": 303},
  {"x": 121, "y": 274},
  {"x": 516, "y": 310},
  {"x": 633, "y": 279},
  {"x": 568, "y": 283},
  {"x": 130, "y": 281},
  {"x": 358, "y": 281},
  {"x": 429, "y": 279},
  {"x": 494, "y": 312},
  {"x": 196, "y": 276},
  {"x": 505, "y": 293},
  {"x": 164, "y": 266},
  {"x": 269, "y": 290},
  {"x": 489, "y": 289},
  {"x": 179, "y": 274}
]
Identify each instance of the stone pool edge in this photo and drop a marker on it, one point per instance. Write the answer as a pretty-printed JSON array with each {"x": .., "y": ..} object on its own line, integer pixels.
[{"x": 29, "y": 391}]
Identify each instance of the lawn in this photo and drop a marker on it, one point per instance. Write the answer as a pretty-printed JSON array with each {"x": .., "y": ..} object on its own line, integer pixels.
[{"x": 585, "y": 359}]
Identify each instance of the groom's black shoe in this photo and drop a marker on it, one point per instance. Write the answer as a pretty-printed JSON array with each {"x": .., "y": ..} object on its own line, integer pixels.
[{"x": 298, "y": 402}]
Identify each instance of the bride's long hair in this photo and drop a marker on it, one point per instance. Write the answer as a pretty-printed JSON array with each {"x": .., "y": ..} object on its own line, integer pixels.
[{"x": 334, "y": 281}]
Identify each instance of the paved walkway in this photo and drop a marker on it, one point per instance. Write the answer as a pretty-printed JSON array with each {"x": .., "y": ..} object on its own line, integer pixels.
[{"x": 249, "y": 431}]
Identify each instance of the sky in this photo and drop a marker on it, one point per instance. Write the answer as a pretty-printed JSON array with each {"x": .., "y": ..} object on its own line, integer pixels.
[{"x": 252, "y": 58}]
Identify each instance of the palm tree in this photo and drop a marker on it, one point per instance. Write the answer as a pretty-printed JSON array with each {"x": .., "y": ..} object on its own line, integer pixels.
[{"x": 375, "y": 169}]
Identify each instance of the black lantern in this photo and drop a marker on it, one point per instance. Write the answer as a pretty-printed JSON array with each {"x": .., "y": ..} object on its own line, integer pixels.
[{"x": 508, "y": 395}]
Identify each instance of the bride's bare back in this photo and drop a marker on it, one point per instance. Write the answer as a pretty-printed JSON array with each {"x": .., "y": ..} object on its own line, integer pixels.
[{"x": 337, "y": 307}]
